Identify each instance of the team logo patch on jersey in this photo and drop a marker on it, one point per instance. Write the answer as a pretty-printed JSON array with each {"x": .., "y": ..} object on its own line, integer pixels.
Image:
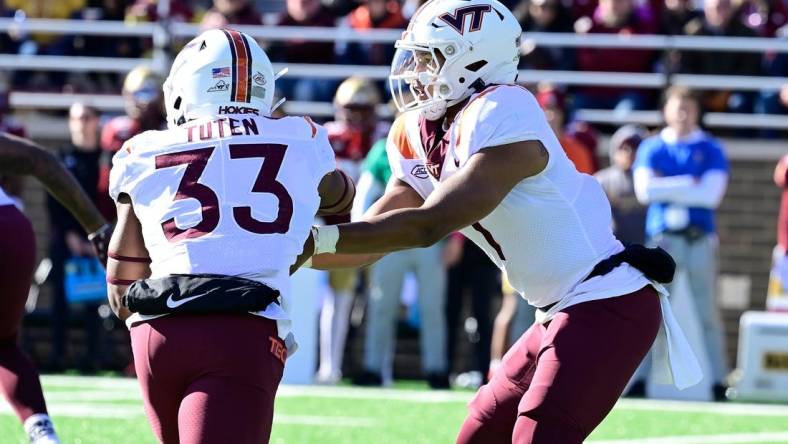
[
  {"x": 220, "y": 72},
  {"x": 221, "y": 85},
  {"x": 259, "y": 78},
  {"x": 419, "y": 171}
]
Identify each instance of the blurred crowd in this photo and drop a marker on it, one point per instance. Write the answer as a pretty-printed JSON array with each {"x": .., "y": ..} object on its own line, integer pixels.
[{"x": 733, "y": 18}]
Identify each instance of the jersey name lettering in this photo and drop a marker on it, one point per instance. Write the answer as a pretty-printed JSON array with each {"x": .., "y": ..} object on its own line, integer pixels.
[{"x": 221, "y": 127}]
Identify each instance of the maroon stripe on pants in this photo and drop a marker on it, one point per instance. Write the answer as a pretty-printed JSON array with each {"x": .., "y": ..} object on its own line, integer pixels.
[
  {"x": 209, "y": 378},
  {"x": 560, "y": 380}
]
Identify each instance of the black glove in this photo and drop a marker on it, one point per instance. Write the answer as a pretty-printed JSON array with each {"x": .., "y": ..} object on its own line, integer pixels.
[{"x": 100, "y": 240}]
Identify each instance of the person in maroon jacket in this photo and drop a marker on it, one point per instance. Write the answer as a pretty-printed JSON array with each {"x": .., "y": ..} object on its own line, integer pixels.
[
  {"x": 615, "y": 17},
  {"x": 231, "y": 12}
]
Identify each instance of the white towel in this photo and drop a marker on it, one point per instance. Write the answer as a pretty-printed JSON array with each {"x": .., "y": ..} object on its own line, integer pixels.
[{"x": 674, "y": 361}]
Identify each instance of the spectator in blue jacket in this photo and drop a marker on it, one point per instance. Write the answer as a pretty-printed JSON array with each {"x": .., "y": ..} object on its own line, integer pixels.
[{"x": 681, "y": 174}]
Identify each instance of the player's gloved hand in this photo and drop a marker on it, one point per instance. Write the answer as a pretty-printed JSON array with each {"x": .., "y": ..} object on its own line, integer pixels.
[{"x": 100, "y": 240}]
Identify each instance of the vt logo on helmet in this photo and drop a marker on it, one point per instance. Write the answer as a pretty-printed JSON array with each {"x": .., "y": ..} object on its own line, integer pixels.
[
  {"x": 220, "y": 70},
  {"x": 451, "y": 49},
  {"x": 457, "y": 20}
]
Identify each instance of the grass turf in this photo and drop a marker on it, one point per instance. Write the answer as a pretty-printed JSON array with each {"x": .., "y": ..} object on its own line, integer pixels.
[{"x": 104, "y": 410}]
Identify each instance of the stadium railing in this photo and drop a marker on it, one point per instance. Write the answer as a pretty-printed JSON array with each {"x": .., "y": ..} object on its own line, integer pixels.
[{"x": 164, "y": 32}]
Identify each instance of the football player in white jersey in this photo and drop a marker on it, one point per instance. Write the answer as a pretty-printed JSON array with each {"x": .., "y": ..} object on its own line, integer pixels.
[
  {"x": 212, "y": 213},
  {"x": 473, "y": 152},
  {"x": 19, "y": 381}
]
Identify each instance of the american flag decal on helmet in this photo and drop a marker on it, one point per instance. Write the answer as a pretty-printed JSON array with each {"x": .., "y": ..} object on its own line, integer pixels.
[
  {"x": 221, "y": 72},
  {"x": 241, "y": 84}
]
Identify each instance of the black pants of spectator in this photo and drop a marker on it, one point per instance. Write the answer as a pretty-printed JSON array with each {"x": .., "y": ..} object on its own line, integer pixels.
[
  {"x": 95, "y": 337},
  {"x": 482, "y": 279},
  {"x": 60, "y": 311}
]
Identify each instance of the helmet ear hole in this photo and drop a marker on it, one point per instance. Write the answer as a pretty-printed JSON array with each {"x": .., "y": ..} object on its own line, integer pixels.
[
  {"x": 177, "y": 104},
  {"x": 477, "y": 65}
]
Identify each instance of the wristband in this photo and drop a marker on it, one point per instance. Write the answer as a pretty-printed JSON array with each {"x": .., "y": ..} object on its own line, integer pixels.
[
  {"x": 307, "y": 263},
  {"x": 325, "y": 239}
]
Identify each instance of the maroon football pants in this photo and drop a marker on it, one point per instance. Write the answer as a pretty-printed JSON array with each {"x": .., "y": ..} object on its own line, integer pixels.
[
  {"x": 560, "y": 380},
  {"x": 209, "y": 379},
  {"x": 18, "y": 377}
]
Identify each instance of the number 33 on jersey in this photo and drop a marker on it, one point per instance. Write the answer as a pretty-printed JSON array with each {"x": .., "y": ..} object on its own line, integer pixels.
[{"x": 239, "y": 185}]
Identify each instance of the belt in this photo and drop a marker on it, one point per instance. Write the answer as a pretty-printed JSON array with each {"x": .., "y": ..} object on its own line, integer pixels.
[
  {"x": 655, "y": 263},
  {"x": 691, "y": 233}
]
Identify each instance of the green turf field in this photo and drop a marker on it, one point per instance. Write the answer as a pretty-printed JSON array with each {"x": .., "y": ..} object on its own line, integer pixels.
[{"x": 108, "y": 410}]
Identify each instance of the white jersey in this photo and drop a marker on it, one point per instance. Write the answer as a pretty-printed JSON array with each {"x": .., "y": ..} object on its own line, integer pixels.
[
  {"x": 234, "y": 196},
  {"x": 552, "y": 229}
]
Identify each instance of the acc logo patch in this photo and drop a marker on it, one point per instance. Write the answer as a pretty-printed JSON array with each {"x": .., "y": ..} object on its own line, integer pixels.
[
  {"x": 259, "y": 78},
  {"x": 419, "y": 171},
  {"x": 221, "y": 85}
]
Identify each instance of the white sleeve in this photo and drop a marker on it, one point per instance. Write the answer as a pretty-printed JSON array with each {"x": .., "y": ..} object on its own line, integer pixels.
[
  {"x": 682, "y": 190},
  {"x": 326, "y": 162},
  {"x": 118, "y": 175},
  {"x": 504, "y": 115},
  {"x": 400, "y": 153}
]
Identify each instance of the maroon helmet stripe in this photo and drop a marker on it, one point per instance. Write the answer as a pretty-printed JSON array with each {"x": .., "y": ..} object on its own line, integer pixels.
[{"x": 234, "y": 68}]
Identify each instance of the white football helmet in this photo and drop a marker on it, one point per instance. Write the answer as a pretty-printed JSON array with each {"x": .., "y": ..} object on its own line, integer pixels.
[
  {"x": 221, "y": 71},
  {"x": 451, "y": 49}
]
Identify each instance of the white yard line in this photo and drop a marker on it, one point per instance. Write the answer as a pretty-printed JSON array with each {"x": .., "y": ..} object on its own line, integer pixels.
[
  {"x": 729, "y": 438},
  {"x": 86, "y": 410},
  {"x": 720, "y": 408},
  {"x": 325, "y": 421},
  {"x": 416, "y": 396}
]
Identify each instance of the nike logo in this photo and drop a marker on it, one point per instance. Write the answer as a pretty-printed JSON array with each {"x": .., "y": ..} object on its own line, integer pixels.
[{"x": 172, "y": 303}]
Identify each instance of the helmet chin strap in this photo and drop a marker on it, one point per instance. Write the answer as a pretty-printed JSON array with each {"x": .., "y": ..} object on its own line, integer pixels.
[{"x": 436, "y": 110}]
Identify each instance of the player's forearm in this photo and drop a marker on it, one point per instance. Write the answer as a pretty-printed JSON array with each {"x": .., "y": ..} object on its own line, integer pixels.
[
  {"x": 393, "y": 231},
  {"x": 338, "y": 261},
  {"x": 22, "y": 157}
]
